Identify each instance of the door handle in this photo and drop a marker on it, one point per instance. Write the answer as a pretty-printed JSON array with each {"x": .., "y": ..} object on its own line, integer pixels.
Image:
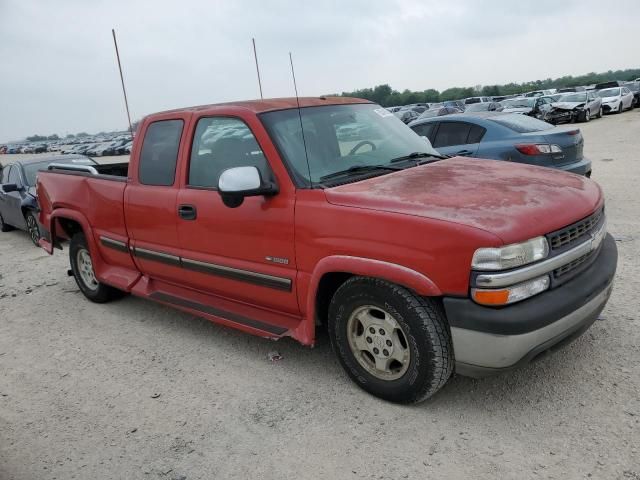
[
  {"x": 464, "y": 152},
  {"x": 187, "y": 212}
]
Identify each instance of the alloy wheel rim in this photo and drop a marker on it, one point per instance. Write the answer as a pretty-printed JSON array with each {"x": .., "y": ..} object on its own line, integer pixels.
[
  {"x": 378, "y": 343},
  {"x": 32, "y": 226},
  {"x": 85, "y": 269}
]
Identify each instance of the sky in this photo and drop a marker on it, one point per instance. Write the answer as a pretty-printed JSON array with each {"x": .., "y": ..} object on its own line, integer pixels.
[{"x": 58, "y": 71}]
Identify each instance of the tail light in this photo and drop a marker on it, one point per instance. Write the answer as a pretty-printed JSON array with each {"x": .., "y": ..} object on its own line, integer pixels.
[
  {"x": 537, "y": 148},
  {"x": 573, "y": 132}
]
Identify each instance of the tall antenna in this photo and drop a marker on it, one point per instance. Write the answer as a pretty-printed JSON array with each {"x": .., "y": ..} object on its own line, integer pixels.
[
  {"x": 255, "y": 56},
  {"x": 124, "y": 91},
  {"x": 304, "y": 141}
]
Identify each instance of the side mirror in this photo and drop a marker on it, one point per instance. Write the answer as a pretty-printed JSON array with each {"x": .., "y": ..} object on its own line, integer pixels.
[
  {"x": 10, "y": 187},
  {"x": 236, "y": 183}
]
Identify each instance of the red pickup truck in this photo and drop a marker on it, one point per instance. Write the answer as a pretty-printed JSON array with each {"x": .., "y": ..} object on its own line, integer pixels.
[{"x": 279, "y": 220}]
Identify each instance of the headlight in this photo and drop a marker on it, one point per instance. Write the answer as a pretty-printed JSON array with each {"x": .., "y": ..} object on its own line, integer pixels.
[
  {"x": 507, "y": 295},
  {"x": 510, "y": 256}
]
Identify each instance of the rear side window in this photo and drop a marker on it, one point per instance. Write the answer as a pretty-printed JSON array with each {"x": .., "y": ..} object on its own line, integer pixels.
[
  {"x": 160, "y": 153},
  {"x": 425, "y": 130},
  {"x": 452, "y": 133},
  {"x": 520, "y": 123},
  {"x": 476, "y": 134}
]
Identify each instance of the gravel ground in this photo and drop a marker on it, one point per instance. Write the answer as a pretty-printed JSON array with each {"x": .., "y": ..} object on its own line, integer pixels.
[{"x": 138, "y": 391}]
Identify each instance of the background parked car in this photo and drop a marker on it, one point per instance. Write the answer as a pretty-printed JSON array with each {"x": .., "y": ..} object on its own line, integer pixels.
[
  {"x": 453, "y": 103},
  {"x": 439, "y": 111},
  {"x": 470, "y": 100},
  {"x": 407, "y": 115},
  {"x": 616, "y": 99},
  {"x": 18, "y": 199},
  {"x": 533, "y": 106},
  {"x": 575, "y": 107},
  {"x": 484, "y": 107},
  {"x": 634, "y": 87},
  {"x": 610, "y": 84},
  {"x": 506, "y": 136}
]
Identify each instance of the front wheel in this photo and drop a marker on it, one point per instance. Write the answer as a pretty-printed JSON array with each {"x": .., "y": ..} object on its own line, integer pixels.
[
  {"x": 391, "y": 342},
  {"x": 32, "y": 228},
  {"x": 587, "y": 115},
  {"x": 620, "y": 108},
  {"x": 600, "y": 113},
  {"x": 84, "y": 274}
]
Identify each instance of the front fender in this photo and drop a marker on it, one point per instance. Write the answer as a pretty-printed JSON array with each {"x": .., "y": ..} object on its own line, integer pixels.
[{"x": 392, "y": 272}]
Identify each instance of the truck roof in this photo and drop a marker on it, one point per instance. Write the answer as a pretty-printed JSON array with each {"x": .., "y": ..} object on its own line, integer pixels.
[{"x": 270, "y": 104}]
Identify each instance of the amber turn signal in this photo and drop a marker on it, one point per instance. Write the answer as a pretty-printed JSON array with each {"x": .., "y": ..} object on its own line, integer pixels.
[{"x": 491, "y": 297}]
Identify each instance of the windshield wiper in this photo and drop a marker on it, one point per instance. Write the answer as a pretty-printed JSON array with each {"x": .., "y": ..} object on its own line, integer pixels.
[
  {"x": 358, "y": 169},
  {"x": 416, "y": 155}
]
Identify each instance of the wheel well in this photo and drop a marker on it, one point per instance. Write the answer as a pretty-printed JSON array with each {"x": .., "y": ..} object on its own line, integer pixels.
[
  {"x": 329, "y": 284},
  {"x": 69, "y": 227}
]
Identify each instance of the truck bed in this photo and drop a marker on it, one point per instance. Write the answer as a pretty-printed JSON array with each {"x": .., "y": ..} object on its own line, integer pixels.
[{"x": 110, "y": 171}]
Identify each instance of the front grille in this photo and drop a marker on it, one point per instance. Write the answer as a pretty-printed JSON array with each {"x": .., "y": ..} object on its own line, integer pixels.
[
  {"x": 563, "y": 270},
  {"x": 571, "y": 234}
]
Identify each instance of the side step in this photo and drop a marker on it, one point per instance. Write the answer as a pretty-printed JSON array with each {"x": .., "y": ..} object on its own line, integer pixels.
[
  {"x": 200, "y": 307},
  {"x": 242, "y": 316}
]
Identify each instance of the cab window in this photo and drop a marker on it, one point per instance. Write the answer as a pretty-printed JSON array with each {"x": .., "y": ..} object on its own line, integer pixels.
[{"x": 221, "y": 143}]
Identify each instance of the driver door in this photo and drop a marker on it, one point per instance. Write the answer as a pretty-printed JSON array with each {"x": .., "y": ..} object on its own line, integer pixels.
[{"x": 244, "y": 253}]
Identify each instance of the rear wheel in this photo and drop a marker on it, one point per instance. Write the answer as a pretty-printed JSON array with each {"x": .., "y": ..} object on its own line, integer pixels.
[
  {"x": 4, "y": 227},
  {"x": 84, "y": 274},
  {"x": 32, "y": 228},
  {"x": 391, "y": 342}
]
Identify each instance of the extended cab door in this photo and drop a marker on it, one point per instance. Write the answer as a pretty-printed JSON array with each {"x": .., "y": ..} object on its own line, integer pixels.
[
  {"x": 244, "y": 253},
  {"x": 150, "y": 197}
]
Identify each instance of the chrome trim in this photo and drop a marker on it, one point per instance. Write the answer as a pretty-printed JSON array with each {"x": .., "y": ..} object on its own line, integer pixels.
[
  {"x": 262, "y": 279},
  {"x": 544, "y": 267},
  {"x": 114, "y": 244},
  {"x": 157, "y": 256},
  {"x": 75, "y": 168},
  {"x": 237, "y": 274}
]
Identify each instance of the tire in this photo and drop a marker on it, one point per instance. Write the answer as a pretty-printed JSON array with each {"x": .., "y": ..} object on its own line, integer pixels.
[
  {"x": 600, "y": 113},
  {"x": 620, "y": 108},
  {"x": 5, "y": 227},
  {"x": 587, "y": 116},
  {"x": 410, "y": 335},
  {"x": 32, "y": 227},
  {"x": 82, "y": 268}
]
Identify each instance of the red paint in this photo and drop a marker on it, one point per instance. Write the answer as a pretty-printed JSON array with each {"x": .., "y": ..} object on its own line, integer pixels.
[{"x": 418, "y": 227}]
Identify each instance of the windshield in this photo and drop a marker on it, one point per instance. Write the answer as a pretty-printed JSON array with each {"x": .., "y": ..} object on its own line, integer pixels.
[
  {"x": 609, "y": 92},
  {"x": 574, "y": 97},
  {"x": 339, "y": 137},
  {"x": 519, "y": 103}
]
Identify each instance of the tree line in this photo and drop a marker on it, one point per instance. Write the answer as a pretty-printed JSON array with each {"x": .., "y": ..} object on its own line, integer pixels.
[{"x": 386, "y": 96}]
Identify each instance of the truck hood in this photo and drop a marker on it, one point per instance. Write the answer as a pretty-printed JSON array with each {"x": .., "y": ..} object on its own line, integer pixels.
[{"x": 512, "y": 201}]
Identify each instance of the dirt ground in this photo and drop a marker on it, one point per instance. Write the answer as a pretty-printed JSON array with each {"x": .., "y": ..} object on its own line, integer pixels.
[{"x": 134, "y": 390}]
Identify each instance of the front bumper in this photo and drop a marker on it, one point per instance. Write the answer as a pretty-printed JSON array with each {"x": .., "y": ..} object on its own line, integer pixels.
[
  {"x": 489, "y": 340},
  {"x": 610, "y": 107}
]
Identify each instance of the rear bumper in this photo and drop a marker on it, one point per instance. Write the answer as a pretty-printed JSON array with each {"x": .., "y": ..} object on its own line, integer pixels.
[
  {"x": 487, "y": 341},
  {"x": 583, "y": 167}
]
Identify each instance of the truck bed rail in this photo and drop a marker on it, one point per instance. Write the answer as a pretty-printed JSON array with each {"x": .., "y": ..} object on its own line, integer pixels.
[{"x": 75, "y": 168}]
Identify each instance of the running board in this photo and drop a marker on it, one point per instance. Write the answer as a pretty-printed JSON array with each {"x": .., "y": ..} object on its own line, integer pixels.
[{"x": 217, "y": 312}]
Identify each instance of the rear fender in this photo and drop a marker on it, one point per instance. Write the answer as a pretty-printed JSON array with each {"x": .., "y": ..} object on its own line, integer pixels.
[{"x": 366, "y": 267}]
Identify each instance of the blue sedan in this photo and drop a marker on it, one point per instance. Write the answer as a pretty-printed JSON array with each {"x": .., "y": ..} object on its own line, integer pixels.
[{"x": 506, "y": 136}]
